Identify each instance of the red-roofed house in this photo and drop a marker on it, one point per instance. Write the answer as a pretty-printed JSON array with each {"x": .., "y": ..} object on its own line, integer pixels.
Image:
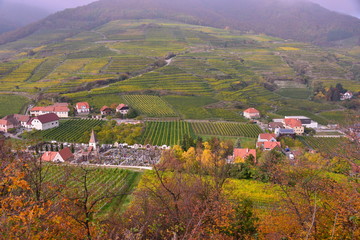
[
  {"x": 251, "y": 113},
  {"x": 61, "y": 156},
  {"x": 243, "y": 153},
  {"x": 105, "y": 110},
  {"x": 44, "y": 122},
  {"x": 122, "y": 108},
  {"x": 266, "y": 137},
  {"x": 295, "y": 124},
  {"x": 82, "y": 107},
  {"x": 268, "y": 146},
  {"x": 60, "y": 109}
]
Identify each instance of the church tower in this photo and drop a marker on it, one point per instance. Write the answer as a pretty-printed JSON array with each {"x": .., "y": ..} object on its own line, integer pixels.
[{"x": 93, "y": 141}]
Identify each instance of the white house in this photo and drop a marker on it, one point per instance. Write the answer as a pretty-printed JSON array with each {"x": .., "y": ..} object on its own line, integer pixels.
[
  {"x": 122, "y": 108},
  {"x": 346, "y": 96},
  {"x": 82, "y": 107},
  {"x": 44, "y": 122},
  {"x": 251, "y": 113}
]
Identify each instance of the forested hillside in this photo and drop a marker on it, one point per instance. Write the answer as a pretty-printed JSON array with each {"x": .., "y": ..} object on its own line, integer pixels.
[{"x": 300, "y": 21}]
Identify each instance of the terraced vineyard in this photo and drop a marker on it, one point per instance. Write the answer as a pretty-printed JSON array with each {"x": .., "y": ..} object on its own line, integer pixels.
[
  {"x": 71, "y": 130},
  {"x": 101, "y": 181},
  {"x": 151, "y": 106},
  {"x": 127, "y": 64},
  {"x": 166, "y": 133},
  {"x": 226, "y": 129},
  {"x": 325, "y": 145}
]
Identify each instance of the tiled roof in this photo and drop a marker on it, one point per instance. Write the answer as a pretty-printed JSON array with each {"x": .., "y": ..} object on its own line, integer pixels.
[
  {"x": 3, "y": 122},
  {"x": 66, "y": 154},
  {"x": 121, "y": 106},
  {"x": 61, "y": 109},
  {"x": 36, "y": 109},
  {"x": 48, "y": 156},
  {"x": 251, "y": 110},
  {"x": 267, "y": 136},
  {"x": 104, "y": 108},
  {"x": 80, "y": 105},
  {"x": 292, "y": 122},
  {"x": 46, "y": 118},
  {"x": 22, "y": 118},
  {"x": 244, "y": 152},
  {"x": 271, "y": 145}
]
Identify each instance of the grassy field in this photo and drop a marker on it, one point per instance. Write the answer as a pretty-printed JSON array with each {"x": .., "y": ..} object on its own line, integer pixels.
[
  {"x": 10, "y": 104},
  {"x": 166, "y": 133},
  {"x": 342, "y": 117},
  {"x": 148, "y": 105},
  {"x": 71, "y": 130},
  {"x": 101, "y": 181},
  {"x": 226, "y": 129}
]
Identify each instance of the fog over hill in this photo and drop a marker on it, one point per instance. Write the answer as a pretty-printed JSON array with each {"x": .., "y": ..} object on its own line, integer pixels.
[
  {"x": 289, "y": 19},
  {"x": 17, "y": 14}
]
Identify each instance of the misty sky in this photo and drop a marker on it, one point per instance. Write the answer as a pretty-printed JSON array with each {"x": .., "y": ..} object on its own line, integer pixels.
[{"x": 351, "y": 7}]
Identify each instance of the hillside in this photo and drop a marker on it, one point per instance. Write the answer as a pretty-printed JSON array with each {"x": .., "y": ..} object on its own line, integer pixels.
[
  {"x": 216, "y": 72},
  {"x": 298, "y": 20}
]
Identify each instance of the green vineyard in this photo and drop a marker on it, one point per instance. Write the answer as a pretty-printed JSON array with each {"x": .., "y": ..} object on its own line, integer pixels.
[
  {"x": 166, "y": 133},
  {"x": 71, "y": 130},
  {"x": 151, "y": 106},
  {"x": 325, "y": 145},
  {"x": 101, "y": 181},
  {"x": 226, "y": 129}
]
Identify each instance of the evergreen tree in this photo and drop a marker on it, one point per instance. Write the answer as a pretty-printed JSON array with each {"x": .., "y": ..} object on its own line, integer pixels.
[{"x": 237, "y": 143}]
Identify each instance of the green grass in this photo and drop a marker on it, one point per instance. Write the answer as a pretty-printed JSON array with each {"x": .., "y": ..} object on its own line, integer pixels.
[
  {"x": 10, "y": 104},
  {"x": 297, "y": 93},
  {"x": 148, "y": 105},
  {"x": 71, "y": 130},
  {"x": 166, "y": 133},
  {"x": 226, "y": 129},
  {"x": 101, "y": 181}
]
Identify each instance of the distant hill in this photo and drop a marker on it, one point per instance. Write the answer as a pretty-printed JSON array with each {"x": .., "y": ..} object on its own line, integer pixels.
[
  {"x": 301, "y": 21},
  {"x": 15, "y": 15}
]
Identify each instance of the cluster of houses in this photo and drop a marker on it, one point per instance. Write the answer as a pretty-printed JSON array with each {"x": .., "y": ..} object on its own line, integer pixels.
[{"x": 43, "y": 118}]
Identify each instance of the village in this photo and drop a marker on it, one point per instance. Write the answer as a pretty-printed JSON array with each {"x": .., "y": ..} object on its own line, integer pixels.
[{"x": 122, "y": 154}]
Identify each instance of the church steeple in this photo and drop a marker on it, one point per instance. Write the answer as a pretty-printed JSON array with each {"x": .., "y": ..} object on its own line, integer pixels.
[{"x": 93, "y": 141}]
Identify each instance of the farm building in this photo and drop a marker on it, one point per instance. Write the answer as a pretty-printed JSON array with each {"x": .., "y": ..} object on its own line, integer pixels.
[
  {"x": 294, "y": 124},
  {"x": 251, "y": 113},
  {"x": 82, "y": 108},
  {"x": 61, "y": 156},
  {"x": 266, "y": 137},
  {"x": 44, "y": 122},
  {"x": 122, "y": 108},
  {"x": 105, "y": 110},
  {"x": 13, "y": 121},
  {"x": 275, "y": 125},
  {"x": 305, "y": 121},
  {"x": 283, "y": 132},
  {"x": 60, "y": 109}
]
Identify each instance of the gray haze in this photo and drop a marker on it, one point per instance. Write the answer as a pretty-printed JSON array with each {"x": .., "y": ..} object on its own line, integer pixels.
[{"x": 351, "y": 7}]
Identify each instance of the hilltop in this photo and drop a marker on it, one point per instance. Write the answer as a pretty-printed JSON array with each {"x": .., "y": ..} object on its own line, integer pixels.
[{"x": 300, "y": 21}]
